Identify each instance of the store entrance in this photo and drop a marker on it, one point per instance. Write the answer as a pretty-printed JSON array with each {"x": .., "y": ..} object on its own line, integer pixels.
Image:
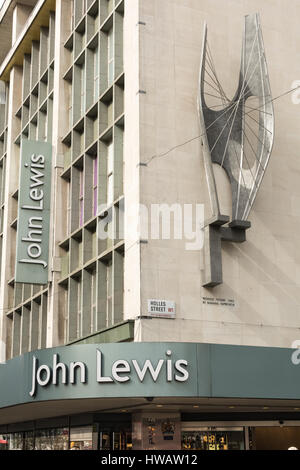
[
  {"x": 213, "y": 438},
  {"x": 115, "y": 440}
]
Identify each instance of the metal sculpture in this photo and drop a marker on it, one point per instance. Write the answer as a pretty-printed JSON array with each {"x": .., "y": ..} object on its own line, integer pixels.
[{"x": 238, "y": 135}]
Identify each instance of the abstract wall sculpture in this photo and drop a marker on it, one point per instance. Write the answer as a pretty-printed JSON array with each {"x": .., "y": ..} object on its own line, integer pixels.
[{"x": 237, "y": 134}]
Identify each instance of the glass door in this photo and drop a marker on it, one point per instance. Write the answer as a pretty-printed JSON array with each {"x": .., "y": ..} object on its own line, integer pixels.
[{"x": 115, "y": 440}]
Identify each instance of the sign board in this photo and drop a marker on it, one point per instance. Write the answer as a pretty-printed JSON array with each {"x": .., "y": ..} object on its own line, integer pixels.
[
  {"x": 161, "y": 308},
  {"x": 126, "y": 370},
  {"x": 34, "y": 213},
  {"x": 90, "y": 371}
]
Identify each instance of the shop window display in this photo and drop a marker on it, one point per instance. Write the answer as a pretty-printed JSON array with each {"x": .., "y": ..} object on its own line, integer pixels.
[
  {"x": 29, "y": 440},
  {"x": 16, "y": 441},
  {"x": 52, "y": 439},
  {"x": 217, "y": 439},
  {"x": 81, "y": 438}
]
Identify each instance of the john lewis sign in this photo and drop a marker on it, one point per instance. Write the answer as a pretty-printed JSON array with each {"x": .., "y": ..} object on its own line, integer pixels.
[
  {"x": 34, "y": 213},
  {"x": 99, "y": 371},
  {"x": 121, "y": 371}
]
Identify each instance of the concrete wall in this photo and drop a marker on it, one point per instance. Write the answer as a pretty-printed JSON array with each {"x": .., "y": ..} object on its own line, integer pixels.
[
  {"x": 261, "y": 275},
  {"x": 156, "y": 431}
]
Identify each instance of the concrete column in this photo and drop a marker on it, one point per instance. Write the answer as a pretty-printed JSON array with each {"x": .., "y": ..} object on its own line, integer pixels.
[
  {"x": 156, "y": 431},
  {"x": 58, "y": 229}
]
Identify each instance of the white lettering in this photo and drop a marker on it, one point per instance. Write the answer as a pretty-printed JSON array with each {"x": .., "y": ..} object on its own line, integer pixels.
[
  {"x": 35, "y": 177},
  {"x": 148, "y": 366},
  {"x": 179, "y": 367},
  {"x": 34, "y": 364},
  {"x": 30, "y": 236},
  {"x": 36, "y": 194},
  {"x": 73, "y": 367},
  {"x": 120, "y": 371},
  {"x": 120, "y": 367},
  {"x": 101, "y": 379},
  {"x": 31, "y": 224},
  {"x": 31, "y": 250},
  {"x": 296, "y": 354},
  {"x": 169, "y": 367},
  {"x": 56, "y": 366},
  {"x": 40, "y": 380},
  {"x": 38, "y": 158},
  {"x": 34, "y": 261}
]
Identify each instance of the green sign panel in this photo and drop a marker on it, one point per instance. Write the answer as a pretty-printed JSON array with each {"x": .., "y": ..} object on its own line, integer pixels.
[
  {"x": 122, "y": 370},
  {"x": 101, "y": 371},
  {"x": 34, "y": 213}
]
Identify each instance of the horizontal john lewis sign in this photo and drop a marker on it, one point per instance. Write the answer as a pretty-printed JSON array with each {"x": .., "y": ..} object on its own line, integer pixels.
[
  {"x": 33, "y": 213},
  {"x": 121, "y": 371},
  {"x": 161, "y": 308},
  {"x": 124, "y": 370}
]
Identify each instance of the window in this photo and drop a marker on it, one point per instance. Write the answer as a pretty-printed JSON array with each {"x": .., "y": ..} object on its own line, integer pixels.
[
  {"x": 2, "y": 93},
  {"x": 79, "y": 309},
  {"x": 72, "y": 16},
  {"x": 110, "y": 57},
  {"x": 109, "y": 286},
  {"x": 29, "y": 440},
  {"x": 95, "y": 186},
  {"x": 16, "y": 441},
  {"x": 66, "y": 317},
  {"x": 52, "y": 439},
  {"x": 69, "y": 198},
  {"x": 96, "y": 73},
  {"x": 93, "y": 301},
  {"x": 70, "y": 106},
  {"x": 213, "y": 439},
  {"x": 110, "y": 175},
  {"x": 82, "y": 89},
  {"x": 110, "y": 6},
  {"x": 81, "y": 438},
  {"x": 81, "y": 197}
]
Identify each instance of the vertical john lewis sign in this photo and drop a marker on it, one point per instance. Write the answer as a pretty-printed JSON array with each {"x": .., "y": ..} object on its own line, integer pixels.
[{"x": 34, "y": 213}]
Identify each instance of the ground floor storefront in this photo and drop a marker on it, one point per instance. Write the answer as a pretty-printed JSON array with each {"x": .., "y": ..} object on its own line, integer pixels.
[
  {"x": 119, "y": 432},
  {"x": 151, "y": 396}
]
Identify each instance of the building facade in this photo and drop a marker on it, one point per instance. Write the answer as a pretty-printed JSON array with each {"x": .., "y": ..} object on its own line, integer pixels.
[{"x": 110, "y": 338}]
